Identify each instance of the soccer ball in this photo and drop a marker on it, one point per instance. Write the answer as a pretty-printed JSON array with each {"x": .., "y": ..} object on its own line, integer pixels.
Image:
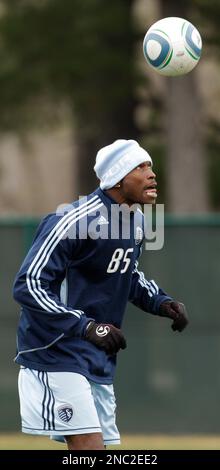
[{"x": 172, "y": 46}]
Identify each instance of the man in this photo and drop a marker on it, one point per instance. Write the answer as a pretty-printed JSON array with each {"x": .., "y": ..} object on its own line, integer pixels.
[{"x": 73, "y": 287}]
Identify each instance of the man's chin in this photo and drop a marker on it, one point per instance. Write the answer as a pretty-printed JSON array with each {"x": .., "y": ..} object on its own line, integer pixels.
[
  {"x": 149, "y": 199},
  {"x": 150, "y": 196}
]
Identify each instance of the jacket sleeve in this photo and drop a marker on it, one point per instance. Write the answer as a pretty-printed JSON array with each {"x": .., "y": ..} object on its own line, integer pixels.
[
  {"x": 145, "y": 294},
  {"x": 35, "y": 286}
]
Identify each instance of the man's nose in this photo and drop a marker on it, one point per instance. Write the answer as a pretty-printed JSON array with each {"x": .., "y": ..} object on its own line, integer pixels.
[{"x": 151, "y": 174}]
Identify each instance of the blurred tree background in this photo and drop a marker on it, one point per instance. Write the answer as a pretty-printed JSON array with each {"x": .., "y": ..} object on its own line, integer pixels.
[
  {"x": 73, "y": 78},
  {"x": 86, "y": 57}
]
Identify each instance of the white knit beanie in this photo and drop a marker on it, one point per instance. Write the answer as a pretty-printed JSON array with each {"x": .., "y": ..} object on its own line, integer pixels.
[{"x": 116, "y": 160}]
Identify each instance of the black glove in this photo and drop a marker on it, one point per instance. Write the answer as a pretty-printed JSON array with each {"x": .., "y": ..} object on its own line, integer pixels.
[
  {"x": 176, "y": 311},
  {"x": 105, "y": 336}
]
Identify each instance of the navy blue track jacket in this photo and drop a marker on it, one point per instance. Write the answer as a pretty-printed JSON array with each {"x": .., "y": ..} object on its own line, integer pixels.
[{"x": 82, "y": 265}]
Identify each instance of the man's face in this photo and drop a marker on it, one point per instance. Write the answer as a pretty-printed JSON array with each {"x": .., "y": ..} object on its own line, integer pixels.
[{"x": 139, "y": 186}]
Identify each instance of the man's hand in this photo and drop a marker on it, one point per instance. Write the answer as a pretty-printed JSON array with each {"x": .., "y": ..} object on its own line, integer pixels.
[
  {"x": 177, "y": 312},
  {"x": 105, "y": 336}
]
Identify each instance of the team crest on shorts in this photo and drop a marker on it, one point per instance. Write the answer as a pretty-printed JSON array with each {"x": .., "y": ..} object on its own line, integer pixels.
[
  {"x": 65, "y": 413},
  {"x": 138, "y": 235}
]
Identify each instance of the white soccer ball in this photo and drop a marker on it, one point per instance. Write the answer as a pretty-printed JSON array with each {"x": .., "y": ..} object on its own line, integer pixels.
[{"x": 172, "y": 46}]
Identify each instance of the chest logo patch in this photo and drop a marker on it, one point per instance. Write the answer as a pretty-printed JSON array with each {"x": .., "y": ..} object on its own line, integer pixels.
[{"x": 139, "y": 235}]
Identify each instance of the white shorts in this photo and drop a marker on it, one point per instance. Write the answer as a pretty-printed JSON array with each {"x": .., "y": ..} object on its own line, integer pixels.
[{"x": 66, "y": 403}]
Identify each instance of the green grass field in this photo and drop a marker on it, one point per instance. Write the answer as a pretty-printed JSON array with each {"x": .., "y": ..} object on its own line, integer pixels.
[{"x": 144, "y": 442}]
